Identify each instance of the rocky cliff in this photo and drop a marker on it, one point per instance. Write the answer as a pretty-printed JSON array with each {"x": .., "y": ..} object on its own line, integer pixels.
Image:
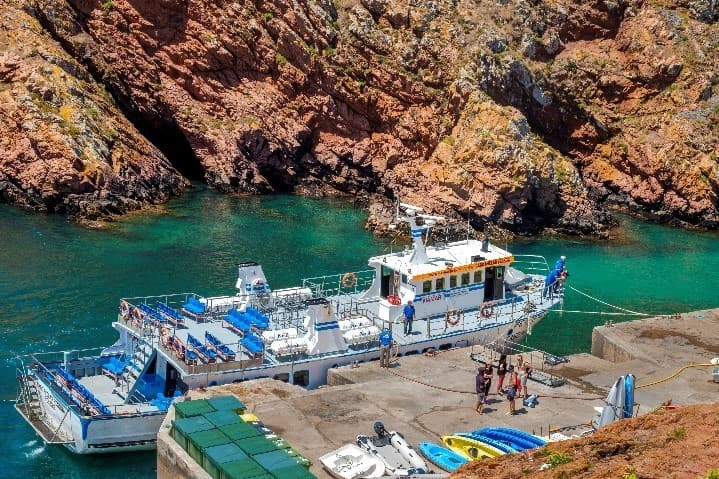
[
  {"x": 65, "y": 145},
  {"x": 528, "y": 115},
  {"x": 666, "y": 444}
]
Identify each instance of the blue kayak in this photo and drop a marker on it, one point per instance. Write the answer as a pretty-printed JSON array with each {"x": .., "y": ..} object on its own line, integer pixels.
[
  {"x": 515, "y": 438},
  {"x": 441, "y": 456},
  {"x": 501, "y": 445}
]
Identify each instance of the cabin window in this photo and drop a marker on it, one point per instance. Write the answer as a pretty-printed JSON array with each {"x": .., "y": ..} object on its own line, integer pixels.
[
  {"x": 453, "y": 281},
  {"x": 439, "y": 284},
  {"x": 478, "y": 276},
  {"x": 465, "y": 279},
  {"x": 301, "y": 378},
  {"x": 500, "y": 272},
  {"x": 427, "y": 286},
  {"x": 404, "y": 279}
]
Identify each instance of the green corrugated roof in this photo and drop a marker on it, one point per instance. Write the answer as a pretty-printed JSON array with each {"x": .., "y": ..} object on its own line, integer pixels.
[
  {"x": 211, "y": 437},
  {"x": 223, "y": 418},
  {"x": 244, "y": 469},
  {"x": 240, "y": 430},
  {"x": 274, "y": 460},
  {"x": 227, "y": 403},
  {"x": 293, "y": 472},
  {"x": 189, "y": 425},
  {"x": 196, "y": 407},
  {"x": 255, "y": 445},
  {"x": 225, "y": 453}
]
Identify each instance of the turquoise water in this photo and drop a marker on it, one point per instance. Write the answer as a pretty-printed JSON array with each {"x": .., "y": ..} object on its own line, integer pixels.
[{"x": 60, "y": 284}]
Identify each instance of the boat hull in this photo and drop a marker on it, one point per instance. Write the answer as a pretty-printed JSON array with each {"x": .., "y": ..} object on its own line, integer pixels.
[{"x": 65, "y": 424}]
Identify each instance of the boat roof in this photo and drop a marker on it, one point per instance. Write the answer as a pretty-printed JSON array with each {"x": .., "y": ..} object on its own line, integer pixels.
[{"x": 445, "y": 259}]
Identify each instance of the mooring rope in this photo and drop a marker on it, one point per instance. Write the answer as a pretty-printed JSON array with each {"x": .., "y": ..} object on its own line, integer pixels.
[
  {"x": 593, "y": 312},
  {"x": 629, "y": 311}
]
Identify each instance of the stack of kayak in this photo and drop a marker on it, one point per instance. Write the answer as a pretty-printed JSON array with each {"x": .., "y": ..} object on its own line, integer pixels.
[{"x": 478, "y": 445}]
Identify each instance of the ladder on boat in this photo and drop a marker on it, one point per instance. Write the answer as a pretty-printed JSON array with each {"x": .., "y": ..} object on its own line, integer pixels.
[
  {"x": 138, "y": 363},
  {"x": 28, "y": 405}
]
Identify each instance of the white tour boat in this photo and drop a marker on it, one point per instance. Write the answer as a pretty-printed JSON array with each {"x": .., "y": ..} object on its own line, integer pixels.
[{"x": 114, "y": 399}]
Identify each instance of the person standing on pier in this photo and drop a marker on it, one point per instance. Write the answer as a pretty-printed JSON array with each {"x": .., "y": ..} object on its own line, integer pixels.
[
  {"x": 512, "y": 389},
  {"x": 523, "y": 380},
  {"x": 488, "y": 371},
  {"x": 408, "y": 317},
  {"x": 501, "y": 372},
  {"x": 479, "y": 385},
  {"x": 385, "y": 345}
]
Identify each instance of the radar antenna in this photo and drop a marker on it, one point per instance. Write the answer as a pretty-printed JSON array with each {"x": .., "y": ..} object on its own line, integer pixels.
[{"x": 419, "y": 224}]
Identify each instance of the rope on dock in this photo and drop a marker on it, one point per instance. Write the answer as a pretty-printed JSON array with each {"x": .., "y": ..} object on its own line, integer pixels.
[
  {"x": 676, "y": 373},
  {"x": 442, "y": 388},
  {"x": 628, "y": 311}
]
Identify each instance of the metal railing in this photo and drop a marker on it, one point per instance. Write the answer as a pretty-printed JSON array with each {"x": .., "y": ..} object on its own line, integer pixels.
[{"x": 332, "y": 285}]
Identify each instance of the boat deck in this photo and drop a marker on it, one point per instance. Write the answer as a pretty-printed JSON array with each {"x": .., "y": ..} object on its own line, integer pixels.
[
  {"x": 103, "y": 388},
  {"x": 348, "y": 305}
]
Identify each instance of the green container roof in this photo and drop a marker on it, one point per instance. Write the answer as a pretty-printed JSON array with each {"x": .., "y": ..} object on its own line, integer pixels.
[
  {"x": 223, "y": 418},
  {"x": 212, "y": 437},
  {"x": 255, "y": 445},
  {"x": 189, "y": 425},
  {"x": 227, "y": 403},
  {"x": 274, "y": 460},
  {"x": 196, "y": 407},
  {"x": 243, "y": 469},
  {"x": 225, "y": 453},
  {"x": 293, "y": 472},
  {"x": 240, "y": 430}
]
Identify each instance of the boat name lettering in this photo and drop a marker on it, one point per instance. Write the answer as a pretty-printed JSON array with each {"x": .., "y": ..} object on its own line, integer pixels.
[
  {"x": 49, "y": 399},
  {"x": 466, "y": 267},
  {"x": 429, "y": 299}
]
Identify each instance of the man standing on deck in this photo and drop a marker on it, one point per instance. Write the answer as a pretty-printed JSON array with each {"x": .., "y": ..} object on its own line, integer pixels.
[
  {"x": 385, "y": 344},
  {"x": 408, "y": 317}
]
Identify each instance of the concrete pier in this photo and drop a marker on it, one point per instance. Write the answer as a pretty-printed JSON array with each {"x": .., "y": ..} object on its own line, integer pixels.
[{"x": 425, "y": 397}]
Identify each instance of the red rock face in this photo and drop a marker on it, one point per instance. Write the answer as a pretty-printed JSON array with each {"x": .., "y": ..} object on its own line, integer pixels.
[
  {"x": 526, "y": 116},
  {"x": 65, "y": 146}
]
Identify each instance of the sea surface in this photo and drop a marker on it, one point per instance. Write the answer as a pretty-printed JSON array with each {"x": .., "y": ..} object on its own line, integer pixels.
[{"x": 60, "y": 284}]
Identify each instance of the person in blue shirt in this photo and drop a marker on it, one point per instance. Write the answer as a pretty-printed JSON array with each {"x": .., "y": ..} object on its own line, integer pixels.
[
  {"x": 408, "y": 317},
  {"x": 385, "y": 344}
]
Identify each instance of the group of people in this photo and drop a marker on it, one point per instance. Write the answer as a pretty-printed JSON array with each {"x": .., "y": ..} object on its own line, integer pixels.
[{"x": 516, "y": 385}]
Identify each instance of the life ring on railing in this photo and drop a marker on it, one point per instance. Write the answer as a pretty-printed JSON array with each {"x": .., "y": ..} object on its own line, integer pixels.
[
  {"x": 394, "y": 300},
  {"x": 486, "y": 310},
  {"x": 453, "y": 316},
  {"x": 349, "y": 280},
  {"x": 124, "y": 309}
]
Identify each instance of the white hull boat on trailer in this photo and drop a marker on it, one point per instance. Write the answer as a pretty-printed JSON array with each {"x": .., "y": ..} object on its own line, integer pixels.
[{"x": 114, "y": 399}]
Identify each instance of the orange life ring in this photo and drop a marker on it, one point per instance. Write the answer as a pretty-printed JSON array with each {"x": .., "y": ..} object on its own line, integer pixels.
[
  {"x": 487, "y": 309},
  {"x": 453, "y": 316},
  {"x": 349, "y": 280},
  {"x": 394, "y": 299}
]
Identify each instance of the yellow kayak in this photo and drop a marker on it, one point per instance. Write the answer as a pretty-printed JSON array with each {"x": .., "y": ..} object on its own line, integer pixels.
[{"x": 471, "y": 448}]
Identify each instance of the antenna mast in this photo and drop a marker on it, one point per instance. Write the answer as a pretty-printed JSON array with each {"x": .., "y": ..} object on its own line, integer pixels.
[{"x": 418, "y": 224}]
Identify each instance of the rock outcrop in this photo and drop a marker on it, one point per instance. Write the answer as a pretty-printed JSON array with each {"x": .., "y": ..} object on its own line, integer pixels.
[
  {"x": 671, "y": 444},
  {"x": 530, "y": 116},
  {"x": 65, "y": 146}
]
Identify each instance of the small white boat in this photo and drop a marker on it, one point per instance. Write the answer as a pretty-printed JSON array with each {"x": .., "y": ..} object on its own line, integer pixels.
[
  {"x": 398, "y": 456},
  {"x": 351, "y": 462}
]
